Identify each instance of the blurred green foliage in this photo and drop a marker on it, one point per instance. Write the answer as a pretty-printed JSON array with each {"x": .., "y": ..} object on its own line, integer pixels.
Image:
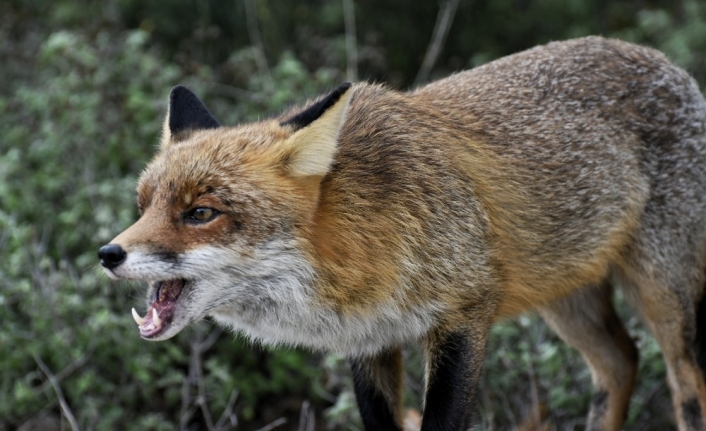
[{"x": 82, "y": 96}]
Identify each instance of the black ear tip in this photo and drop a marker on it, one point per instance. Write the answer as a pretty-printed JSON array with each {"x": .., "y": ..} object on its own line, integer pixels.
[
  {"x": 180, "y": 91},
  {"x": 343, "y": 88},
  {"x": 186, "y": 111},
  {"x": 316, "y": 110}
]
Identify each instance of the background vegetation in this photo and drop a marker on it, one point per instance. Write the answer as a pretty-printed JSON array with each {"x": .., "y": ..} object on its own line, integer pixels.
[{"x": 82, "y": 93}]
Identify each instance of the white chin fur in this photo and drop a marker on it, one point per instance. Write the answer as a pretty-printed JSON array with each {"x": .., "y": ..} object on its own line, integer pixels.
[
  {"x": 269, "y": 296},
  {"x": 325, "y": 330}
]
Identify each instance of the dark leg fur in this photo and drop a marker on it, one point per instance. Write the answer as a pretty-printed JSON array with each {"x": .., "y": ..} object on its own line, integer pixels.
[
  {"x": 691, "y": 412},
  {"x": 701, "y": 334},
  {"x": 378, "y": 383},
  {"x": 452, "y": 379}
]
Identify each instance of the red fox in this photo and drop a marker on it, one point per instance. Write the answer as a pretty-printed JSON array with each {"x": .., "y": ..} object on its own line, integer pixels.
[{"x": 371, "y": 218}]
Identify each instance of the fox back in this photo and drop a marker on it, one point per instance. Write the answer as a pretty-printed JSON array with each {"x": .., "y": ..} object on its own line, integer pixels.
[{"x": 371, "y": 218}]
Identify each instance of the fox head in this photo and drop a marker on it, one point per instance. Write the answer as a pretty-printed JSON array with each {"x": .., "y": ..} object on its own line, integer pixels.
[{"x": 222, "y": 211}]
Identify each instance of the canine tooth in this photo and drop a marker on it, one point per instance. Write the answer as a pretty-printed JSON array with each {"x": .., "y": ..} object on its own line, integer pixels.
[
  {"x": 155, "y": 318},
  {"x": 139, "y": 320}
]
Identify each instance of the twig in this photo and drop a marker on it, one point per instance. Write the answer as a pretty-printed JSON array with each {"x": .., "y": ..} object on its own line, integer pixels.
[
  {"x": 256, "y": 40},
  {"x": 441, "y": 30},
  {"x": 351, "y": 49},
  {"x": 184, "y": 419},
  {"x": 211, "y": 340},
  {"x": 61, "y": 375},
  {"x": 307, "y": 421},
  {"x": 536, "y": 408},
  {"x": 187, "y": 409},
  {"x": 5, "y": 236},
  {"x": 197, "y": 365},
  {"x": 65, "y": 409},
  {"x": 228, "y": 412},
  {"x": 273, "y": 425},
  {"x": 195, "y": 377}
]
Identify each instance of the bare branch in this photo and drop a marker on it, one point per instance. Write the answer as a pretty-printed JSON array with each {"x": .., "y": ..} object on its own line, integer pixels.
[
  {"x": 228, "y": 414},
  {"x": 307, "y": 418},
  {"x": 65, "y": 409},
  {"x": 211, "y": 340},
  {"x": 65, "y": 372},
  {"x": 441, "y": 30},
  {"x": 256, "y": 40},
  {"x": 197, "y": 366},
  {"x": 351, "y": 48},
  {"x": 196, "y": 378},
  {"x": 187, "y": 409},
  {"x": 273, "y": 425}
]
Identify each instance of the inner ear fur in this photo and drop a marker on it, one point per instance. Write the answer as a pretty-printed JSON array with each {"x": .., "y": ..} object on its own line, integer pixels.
[{"x": 309, "y": 151}]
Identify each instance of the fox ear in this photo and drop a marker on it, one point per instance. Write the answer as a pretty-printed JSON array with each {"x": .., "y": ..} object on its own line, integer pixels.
[
  {"x": 186, "y": 112},
  {"x": 310, "y": 150}
]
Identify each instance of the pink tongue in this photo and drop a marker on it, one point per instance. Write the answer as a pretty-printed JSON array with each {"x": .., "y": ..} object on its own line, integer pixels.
[{"x": 163, "y": 306}]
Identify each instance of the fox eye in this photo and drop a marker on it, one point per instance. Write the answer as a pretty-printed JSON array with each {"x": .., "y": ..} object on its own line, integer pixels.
[{"x": 201, "y": 215}]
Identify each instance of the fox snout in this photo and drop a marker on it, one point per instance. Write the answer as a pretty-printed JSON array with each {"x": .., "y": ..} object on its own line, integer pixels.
[{"x": 111, "y": 255}]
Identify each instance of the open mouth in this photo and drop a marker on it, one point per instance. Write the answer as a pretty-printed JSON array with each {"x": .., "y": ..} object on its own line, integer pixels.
[{"x": 160, "y": 313}]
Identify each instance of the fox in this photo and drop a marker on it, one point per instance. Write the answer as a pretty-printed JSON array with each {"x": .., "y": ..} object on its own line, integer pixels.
[{"x": 369, "y": 219}]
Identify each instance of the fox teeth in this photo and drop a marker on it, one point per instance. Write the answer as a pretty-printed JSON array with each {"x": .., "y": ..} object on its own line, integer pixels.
[
  {"x": 155, "y": 318},
  {"x": 139, "y": 320}
]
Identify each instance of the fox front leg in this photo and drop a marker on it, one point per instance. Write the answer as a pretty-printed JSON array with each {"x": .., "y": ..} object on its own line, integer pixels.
[
  {"x": 454, "y": 363},
  {"x": 378, "y": 388}
]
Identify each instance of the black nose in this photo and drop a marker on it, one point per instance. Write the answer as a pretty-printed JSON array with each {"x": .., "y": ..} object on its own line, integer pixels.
[{"x": 111, "y": 255}]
